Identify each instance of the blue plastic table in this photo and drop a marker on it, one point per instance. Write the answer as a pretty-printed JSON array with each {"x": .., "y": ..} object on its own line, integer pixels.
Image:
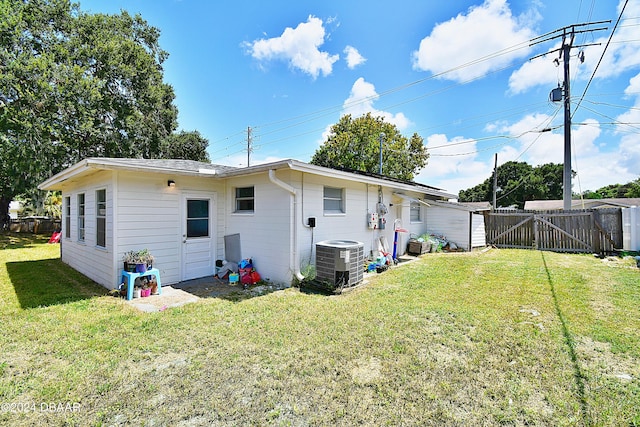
[{"x": 131, "y": 278}]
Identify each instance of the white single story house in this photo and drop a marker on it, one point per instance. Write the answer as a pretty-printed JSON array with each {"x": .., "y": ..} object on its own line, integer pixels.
[{"x": 182, "y": 210}]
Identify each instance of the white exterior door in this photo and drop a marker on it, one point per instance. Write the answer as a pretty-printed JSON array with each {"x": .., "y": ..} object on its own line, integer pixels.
[{"x": 198, "y": 235}]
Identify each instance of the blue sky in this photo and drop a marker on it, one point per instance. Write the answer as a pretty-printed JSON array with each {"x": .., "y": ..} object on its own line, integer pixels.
[{"x": 458, "y": 73}]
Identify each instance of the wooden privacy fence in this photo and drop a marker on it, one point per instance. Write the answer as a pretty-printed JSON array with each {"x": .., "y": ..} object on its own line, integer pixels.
[
  {"x": 590, "y": 230},
  {"x": 35, "y": 225}
]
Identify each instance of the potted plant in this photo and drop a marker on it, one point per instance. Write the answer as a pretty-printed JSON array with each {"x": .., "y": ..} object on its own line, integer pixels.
[
  {"x": 130, "y": 258},
  {"x": 145, "y": 257},
  {"x": 138, "y": 261},
  {"x": 146, "y": 290}
]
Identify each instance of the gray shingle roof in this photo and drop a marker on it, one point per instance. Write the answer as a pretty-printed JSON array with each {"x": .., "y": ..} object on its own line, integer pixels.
[{"x": 164, "y": 164}]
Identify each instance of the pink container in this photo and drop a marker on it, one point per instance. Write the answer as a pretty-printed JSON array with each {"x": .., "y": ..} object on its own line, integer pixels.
[{"x": 145, "y": 292}]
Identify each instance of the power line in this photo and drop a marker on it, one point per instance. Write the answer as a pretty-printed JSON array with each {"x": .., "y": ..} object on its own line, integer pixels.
[
  {"x": 601, "y": 57},
  {"x": 568, "y": 35},
  {"x": 332, "y": 109},
  {"x": 305, "y": 118}
]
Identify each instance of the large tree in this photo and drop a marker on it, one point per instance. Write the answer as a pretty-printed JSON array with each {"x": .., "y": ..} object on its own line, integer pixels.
[
  {"x": 355, "y": 144},
  {"x": 185, "y": 145},
  {"x": 74, "y": 85},
  {"x": 630, "y": 189},
  {"x": 518, "y": 182}
]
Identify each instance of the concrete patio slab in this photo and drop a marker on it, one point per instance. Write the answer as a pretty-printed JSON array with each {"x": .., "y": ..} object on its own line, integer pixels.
[{"x": 169, "y": 298}]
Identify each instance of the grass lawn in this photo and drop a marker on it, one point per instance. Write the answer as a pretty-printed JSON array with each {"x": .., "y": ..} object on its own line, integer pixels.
[{"x": 502, "y": 337}]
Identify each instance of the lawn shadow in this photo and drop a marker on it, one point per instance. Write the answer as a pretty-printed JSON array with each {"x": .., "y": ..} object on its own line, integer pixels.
[
  {"x": 11, "y": 240},
  {"x": 49, "y": 282},
  {"x": 571, "y": 347}
]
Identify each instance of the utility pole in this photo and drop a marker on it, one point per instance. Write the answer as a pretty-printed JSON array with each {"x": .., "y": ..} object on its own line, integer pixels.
[
  {"x": 249, "y": 148},
  {"x": 495, "y": 184},
  {"x": 568, "y": 36},
  {"x": 566, "y": 171},
  {"x": 381, "y": 141}
]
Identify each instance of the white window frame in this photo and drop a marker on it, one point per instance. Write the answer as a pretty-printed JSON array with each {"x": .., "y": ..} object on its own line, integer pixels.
[
  {"x": 101, "y": 214},
  {"x": 415, "y": 206},
  {"x": 67, "y": 217},
  {"x": 331, "y": 199},
  {"x": 81, "y": 216},
  {"x": 239, "y": 200}
]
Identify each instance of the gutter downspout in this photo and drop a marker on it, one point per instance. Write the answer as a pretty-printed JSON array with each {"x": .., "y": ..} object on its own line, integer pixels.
[{"x": 294, "y": 262}]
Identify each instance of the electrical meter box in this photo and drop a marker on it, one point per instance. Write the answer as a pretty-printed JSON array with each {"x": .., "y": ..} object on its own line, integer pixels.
[{"x": 372, "y": 220}]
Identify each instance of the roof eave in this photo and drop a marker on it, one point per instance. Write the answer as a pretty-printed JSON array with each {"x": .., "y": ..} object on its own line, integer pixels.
[
  {"x": 336, "y": 173},
  {"x": 97, "y": 163},
  {"x": 68, "y": 173}
]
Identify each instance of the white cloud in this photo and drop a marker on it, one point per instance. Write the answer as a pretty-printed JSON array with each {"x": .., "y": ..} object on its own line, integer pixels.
[
  {"x": 530, "y": 144},
  {"x": 452, "y": 166},
  {"x": 360, "y": 102},
  {"x": 634, "y": 85},
  {"x": 299, "y": 47},
  {"x": 353, "y": 57},
  {"x": 537, "y": 72},
  {"x": 592, "y": 162},
  {"x": 476, "y": 38},
  {"x": 629, "y": 157},
  {"x": 457, "y": 163}
]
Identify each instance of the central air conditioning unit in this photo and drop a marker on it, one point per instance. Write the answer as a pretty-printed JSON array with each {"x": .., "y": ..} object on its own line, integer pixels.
[{"x": 340, "y": 263}]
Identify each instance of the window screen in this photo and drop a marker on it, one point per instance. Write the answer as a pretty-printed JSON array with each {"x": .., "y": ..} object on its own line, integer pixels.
[
  {"x": 67, "y": 217},
  {"x": 244, "y": 199},
  {"x": 81, "y": 217},
  {"x": 416, "y": 212},
  {"x": 333, "y": 200},
  {"x": 101, "y": 218}
]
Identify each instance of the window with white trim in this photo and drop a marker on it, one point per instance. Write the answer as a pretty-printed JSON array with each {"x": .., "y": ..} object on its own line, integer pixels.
[
  {"x": 81, "y": 217},
  {"x": 67, "y": 217},
  {"x": 245, "y": 199},
  {"x": 333, "y": 200},
  {"x": 415, "y": 210},
  {"x": 101, "y": 218}
]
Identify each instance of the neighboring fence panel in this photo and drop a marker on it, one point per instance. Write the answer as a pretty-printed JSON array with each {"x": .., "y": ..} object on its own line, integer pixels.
[
  {"x": 509, "y": 229},
  {"x": 35, "y": 225},
  {"x": 593, "y": 230}
]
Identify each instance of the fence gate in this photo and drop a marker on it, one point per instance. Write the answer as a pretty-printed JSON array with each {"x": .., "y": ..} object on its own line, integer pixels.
[{"x": 591, "y": 231}]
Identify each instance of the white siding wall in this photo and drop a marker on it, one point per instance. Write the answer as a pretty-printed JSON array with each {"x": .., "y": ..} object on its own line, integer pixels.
[
  {"x": 352, "y": 225},
  {"x": 449, "y": 222},
  {"x": 265, "y": 233},
  {"x": 92, "y": 261},
  {"x": 478, "y": 235},
  {"x": 150, "y": 216}
]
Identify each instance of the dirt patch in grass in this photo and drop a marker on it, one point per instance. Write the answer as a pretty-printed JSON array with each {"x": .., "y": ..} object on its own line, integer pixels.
[{"x": 598, "y": 358}]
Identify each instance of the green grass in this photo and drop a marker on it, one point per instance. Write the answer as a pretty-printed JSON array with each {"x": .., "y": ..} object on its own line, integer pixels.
[{"x": 503, "y": 337}]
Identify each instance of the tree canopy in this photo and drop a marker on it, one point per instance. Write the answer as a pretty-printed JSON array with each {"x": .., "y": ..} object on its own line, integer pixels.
[
  {"x": 518, "y": 182},
  {"x": 74, "y": 85},
  {"x": 185, "y": 145},
  {"x": 355, "y": 144},
  {"x": 613, "y": 191}
]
